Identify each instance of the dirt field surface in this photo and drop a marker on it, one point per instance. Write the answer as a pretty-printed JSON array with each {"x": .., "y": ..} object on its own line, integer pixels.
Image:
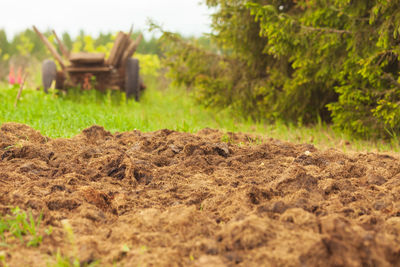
[{"x": 167, "y": 198}]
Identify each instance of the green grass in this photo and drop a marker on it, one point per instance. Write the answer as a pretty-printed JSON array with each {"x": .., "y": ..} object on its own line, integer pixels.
[
  {"x": 58, "y": 115},
  {"x": 22, "y": 226},
  {"x": 64, "y": 116}
]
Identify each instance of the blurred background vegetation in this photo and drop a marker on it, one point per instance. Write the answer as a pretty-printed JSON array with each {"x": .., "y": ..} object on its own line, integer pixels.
[
  {"x": 25, "y": 50},
  {"x": 300, "y": 62}
]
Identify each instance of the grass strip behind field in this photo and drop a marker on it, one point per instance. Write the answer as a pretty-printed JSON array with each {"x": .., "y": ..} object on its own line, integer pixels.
[{"x": 58, "y": 115}]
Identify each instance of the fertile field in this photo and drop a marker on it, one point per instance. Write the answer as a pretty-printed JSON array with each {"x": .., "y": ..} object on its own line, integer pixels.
[
  {"x": 73, "y": 193},
  {"x": 271, "y": 141},
  {"x": 168, "y": 198}
]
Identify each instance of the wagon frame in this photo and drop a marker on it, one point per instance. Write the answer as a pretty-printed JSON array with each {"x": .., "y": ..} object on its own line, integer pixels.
[{"x": 92, "y": 70}]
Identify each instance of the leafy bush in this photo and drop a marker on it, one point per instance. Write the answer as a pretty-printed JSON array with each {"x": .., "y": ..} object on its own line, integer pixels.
[{"x": 149, "y": 64}]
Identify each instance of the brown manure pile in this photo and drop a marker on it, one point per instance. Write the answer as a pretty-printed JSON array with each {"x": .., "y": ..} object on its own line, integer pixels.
[{"x": 167, "y": 198}]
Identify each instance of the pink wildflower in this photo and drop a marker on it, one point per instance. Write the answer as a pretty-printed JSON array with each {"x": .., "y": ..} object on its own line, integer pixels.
[
  {"x": 19, "y": 75},
  {"x": 11, "y": 76}
]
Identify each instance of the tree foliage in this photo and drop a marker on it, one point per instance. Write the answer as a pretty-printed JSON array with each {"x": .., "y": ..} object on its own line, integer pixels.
[
  {"x": 227, "y": 74},
  {"x": 345, "y": 47},
  {"x": 299, "y": 60}
]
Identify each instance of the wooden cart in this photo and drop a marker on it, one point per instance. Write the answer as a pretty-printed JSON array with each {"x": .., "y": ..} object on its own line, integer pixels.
[{"x": 92, "y": 70}]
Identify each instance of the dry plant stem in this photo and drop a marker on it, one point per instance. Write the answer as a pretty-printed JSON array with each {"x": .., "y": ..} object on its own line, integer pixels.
[{"x": 21, "y": 87}]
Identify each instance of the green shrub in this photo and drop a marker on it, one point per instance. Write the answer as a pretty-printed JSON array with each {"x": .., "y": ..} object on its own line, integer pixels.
[
  {"x": 247, "y": 73},
  {"x": 226, "y": 76},
  {"x": 299, "y": 61}
]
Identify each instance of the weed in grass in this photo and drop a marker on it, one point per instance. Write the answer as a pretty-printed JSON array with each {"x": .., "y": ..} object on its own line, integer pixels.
[
  {"x": 49, "y": 230},
  {"x": 8, "y": 147},
  {"x": 61, "y": 261},
  {"x": 226, "y": 138},
  {"x": 71, "y": 260},
  {"x": 143, "y": 249},
  {"x": 64, "y": 261},
  {"x": 240, "y": 144},
  {"x": 17, "y": 145},
  {"x": 125, "y": 248},
  {"x": 3, "y": 259},
  {"x": 20, "y": 225},
  {"x": 254, "y": 141}
]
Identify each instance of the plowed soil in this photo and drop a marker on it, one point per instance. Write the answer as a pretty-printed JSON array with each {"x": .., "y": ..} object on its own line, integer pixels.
[{"x": 167, "y": 198}]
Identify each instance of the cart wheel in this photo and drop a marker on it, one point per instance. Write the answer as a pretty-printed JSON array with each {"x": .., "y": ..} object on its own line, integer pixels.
[
  {"x": 132, "y": 80},
  {"x": 49, "y": 72}
]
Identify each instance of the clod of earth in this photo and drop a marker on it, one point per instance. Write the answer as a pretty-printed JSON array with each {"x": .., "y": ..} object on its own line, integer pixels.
[{"x": 170, "y": 198}]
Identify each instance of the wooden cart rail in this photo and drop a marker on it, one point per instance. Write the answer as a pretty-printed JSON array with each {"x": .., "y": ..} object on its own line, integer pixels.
[{"x": 124, "y": 47}]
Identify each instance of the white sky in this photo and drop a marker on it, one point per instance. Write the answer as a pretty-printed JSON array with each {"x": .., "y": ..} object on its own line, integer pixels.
[{"x": 93, "y": 16}]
